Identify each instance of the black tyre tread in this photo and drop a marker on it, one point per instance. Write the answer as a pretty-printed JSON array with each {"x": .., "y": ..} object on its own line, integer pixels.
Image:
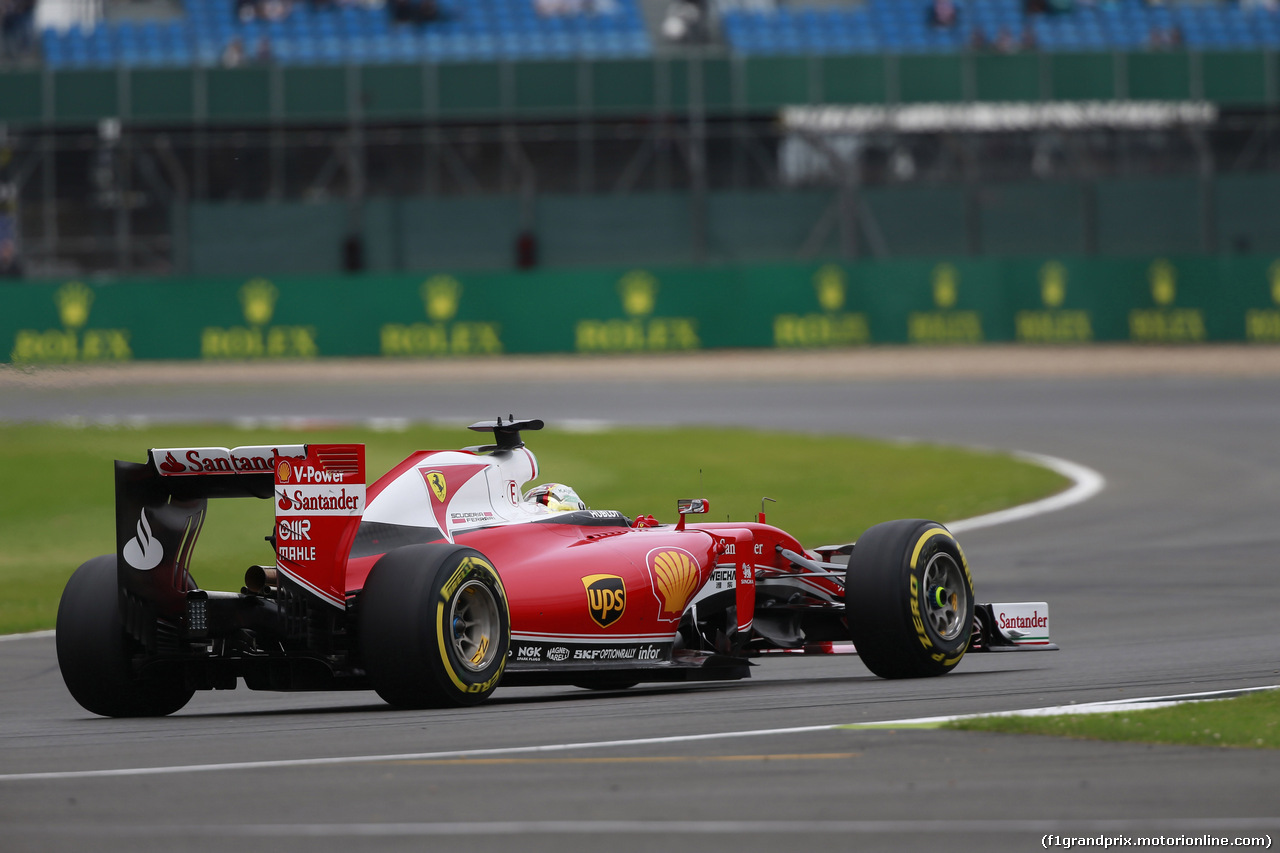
[
  {"x": 397, "y": 628},
  {"x": 94, "y": 653},
  {"x": 389, "y": 641},
  {"x": 877, "y": 602}
]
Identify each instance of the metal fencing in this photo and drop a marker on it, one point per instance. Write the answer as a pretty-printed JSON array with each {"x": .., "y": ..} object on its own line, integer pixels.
[{"x": 392, "y": 168}]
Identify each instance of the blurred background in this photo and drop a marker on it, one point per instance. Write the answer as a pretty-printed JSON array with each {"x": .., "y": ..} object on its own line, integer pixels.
[{"x": 283, "y": 137}]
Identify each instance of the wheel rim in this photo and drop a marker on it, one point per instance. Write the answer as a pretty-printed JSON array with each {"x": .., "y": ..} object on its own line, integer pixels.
[
  {"x": 474, "y": 624},
  {"x": 946, "y": 596}
]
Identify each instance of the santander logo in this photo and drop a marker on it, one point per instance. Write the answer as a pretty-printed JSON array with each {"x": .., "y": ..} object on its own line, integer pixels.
[
  {"x": 1035, "y": 620},
  {"x": 171, "y": 465},
  {"x": 143, "y": 552}
]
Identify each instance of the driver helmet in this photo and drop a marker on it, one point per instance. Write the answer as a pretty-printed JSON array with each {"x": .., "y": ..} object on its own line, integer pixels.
[{"x": 556, "y": 497}]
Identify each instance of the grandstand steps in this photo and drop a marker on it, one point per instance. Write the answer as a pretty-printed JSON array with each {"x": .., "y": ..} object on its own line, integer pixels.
[{"x": 653, "y": 11}]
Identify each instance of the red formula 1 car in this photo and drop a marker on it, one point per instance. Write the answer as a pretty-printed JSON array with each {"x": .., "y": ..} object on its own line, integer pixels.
[{"x": 443, "y": 580}]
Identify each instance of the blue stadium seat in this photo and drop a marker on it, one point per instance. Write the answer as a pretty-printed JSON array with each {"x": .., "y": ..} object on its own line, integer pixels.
[
  {"x": 401, "y": 50},
  {"x": 486, "y": 30}
]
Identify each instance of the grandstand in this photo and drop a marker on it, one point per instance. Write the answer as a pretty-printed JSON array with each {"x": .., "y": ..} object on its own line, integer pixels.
[
  {"x": 492, "y": 30},
  {"x": 333, "y": 33},
  {"x": 202, "y": 137},
  {"x": 902, "y": 26}
]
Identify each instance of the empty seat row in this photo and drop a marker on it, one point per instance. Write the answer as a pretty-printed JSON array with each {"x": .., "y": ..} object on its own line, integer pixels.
[
  {"x": 474, "y": 30},
  {"x": 904, "y": 26}
]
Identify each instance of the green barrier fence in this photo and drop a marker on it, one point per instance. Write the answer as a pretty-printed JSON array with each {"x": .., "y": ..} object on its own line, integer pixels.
[
  {"x": 1048, "y": 300},
  {"x": 573, "y": 89},
  {"x": 1125, "y": 217}
]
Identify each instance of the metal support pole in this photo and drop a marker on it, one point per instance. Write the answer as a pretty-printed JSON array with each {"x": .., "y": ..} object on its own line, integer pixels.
[
  {"x": 699, "y": 209},
  {"x": 124, "y": 202},
  {"x": 356, "y": 175},
  {"x": 585, "y": 130},
  {"x": 48, "y": 182},
  {"x": 1207, "y": 180}
]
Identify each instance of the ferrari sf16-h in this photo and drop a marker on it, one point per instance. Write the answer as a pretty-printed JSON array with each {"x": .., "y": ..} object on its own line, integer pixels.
[{"x": 443, "y": 580}]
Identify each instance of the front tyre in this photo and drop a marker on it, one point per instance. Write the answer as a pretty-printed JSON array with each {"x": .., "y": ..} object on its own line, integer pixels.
[
  {"x": 96, "y": 656},
  {"x": 434, "y": 627},
  {"x": 909, "y": 599}
]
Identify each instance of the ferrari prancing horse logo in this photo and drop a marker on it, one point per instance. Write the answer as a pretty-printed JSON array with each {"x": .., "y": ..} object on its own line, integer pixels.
[
  {"x": 606, "y": 598},
  {"x": 435, "y": 480}
]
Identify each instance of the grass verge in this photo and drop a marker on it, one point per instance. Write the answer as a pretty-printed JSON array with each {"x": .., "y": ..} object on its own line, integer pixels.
[
  {"x": 57, "y": 507},
  {"x": 1252, "y": 720}
]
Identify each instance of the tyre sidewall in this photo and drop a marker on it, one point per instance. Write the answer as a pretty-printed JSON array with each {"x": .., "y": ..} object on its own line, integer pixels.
[
  {"x": 404, "y": 632},
  {"x": 95, "y": 655},
  {"x": 456, "y": 571},
  {"x": 934, "y": 539},
  {"x": 886, "y": 600}
]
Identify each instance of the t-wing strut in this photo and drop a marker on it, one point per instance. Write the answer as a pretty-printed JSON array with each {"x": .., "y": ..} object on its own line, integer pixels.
[{"x": 506, "y": 434}]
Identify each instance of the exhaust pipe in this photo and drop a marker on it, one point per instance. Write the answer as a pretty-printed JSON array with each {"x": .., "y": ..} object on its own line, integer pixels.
[{"x": 258, "y": 579}]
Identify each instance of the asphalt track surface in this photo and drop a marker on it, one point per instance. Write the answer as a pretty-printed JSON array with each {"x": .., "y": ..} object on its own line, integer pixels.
[{"x": 1164, "y": 583}]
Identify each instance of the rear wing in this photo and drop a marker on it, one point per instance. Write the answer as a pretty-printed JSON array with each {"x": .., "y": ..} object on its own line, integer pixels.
[{"x": 319, "y": 493}]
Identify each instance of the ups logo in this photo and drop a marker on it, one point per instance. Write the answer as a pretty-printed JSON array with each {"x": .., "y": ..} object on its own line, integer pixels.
[{"x": 606, "y": 598}]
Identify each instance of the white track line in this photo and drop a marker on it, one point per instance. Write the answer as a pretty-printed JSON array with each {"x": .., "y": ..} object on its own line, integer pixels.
[
  {"x": 1086, "y": 483},
  {"x": 920, "y": 722},
  {"x": 407, "y": 756},
  {"x": 32, "y": 635},
  {"x": 467, "y": 829},
  {"x": 1110, "y": 706}
]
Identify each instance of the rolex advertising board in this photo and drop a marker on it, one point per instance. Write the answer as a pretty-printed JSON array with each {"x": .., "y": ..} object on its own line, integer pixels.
[{"x": 1068, "y": 300}]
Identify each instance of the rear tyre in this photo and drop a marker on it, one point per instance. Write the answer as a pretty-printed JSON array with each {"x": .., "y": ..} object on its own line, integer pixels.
[
  {"x": 909, "y": 599},
  {"x": 96, "y": 656},
  {"x": 434, "y": 627}
]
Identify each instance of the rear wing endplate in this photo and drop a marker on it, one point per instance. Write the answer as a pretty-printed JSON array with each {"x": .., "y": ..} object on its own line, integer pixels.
[{"x": 161, "y": 504}]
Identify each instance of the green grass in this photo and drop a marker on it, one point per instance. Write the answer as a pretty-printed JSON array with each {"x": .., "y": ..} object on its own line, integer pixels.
[
  {"x": 1252, "y": 720},
  {"x": 57, "y": 506}
]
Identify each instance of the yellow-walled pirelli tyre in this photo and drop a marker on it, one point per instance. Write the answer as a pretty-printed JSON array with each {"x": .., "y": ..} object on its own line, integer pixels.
[
  {"x": 909, "y": 599},
  {"x": 434, "y": 628},
  {"x": 96, "y": 656}
]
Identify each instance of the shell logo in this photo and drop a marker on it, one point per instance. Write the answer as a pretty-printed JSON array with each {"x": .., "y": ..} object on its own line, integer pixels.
[
  {"x": 283, "y": 471},
  {"x": 675, "y": 573}
]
